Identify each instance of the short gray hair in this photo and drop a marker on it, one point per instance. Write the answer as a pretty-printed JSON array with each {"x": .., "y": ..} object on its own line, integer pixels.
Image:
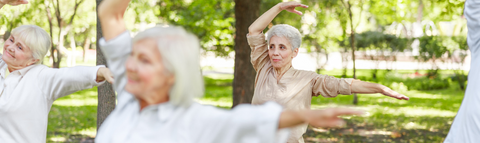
[
  {"x": 180, "y": 53},
  {"x": 287, "y": 31},
  {"x": 35, "y": 38}
]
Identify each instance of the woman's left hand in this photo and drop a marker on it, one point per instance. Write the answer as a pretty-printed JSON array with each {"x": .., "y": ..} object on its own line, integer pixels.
[
  {"x": 389, "y": 92},
  {"x": 13, "y": 2},
  {"x": 104, "y": 74}
]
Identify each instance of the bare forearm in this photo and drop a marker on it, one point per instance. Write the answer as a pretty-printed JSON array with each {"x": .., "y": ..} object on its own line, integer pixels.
[
  {"x": 369, "y": 88},
  {"x": 110, "y": 13},
  {"x": 366, "y": 87},
  {"x": 291, "y": 119},
  {"x": 262, "y": 22}
]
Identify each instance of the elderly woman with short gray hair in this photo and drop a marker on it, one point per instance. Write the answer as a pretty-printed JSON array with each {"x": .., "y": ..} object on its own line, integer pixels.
[
  {"x": 27, "y": 93},
  {"x": 277, "y": 80}
]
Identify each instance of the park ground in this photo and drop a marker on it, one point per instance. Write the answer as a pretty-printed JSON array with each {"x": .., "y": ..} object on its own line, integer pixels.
[{"x": 426, "y": 117}]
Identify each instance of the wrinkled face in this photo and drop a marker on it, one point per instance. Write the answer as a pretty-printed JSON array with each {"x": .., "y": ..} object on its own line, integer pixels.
[
  {"x": 147, "y": 77},
  {"x": 16, "y": 54},
  {"x": 280, "y": 52}
]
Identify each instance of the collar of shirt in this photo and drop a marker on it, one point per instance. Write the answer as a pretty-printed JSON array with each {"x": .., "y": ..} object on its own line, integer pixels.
[
  {"x": 21, "y": 72},
  {"x": 164, "y": 111}
]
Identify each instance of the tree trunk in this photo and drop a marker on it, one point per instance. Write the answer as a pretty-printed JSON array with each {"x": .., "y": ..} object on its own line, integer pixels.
[
  {"x": 246, "y": 11},
  {"x": 352, "y": 43},
  {"x": 106, "y": 95},
  {"x": 86, "y": 46},
  {"x": 73, "y": 56}
]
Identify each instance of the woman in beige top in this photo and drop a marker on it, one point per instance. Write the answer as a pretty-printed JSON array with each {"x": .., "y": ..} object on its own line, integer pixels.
[{"x": 278, "y": 81}]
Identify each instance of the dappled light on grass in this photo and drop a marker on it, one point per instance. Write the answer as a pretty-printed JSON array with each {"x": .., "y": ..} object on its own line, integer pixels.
[{"x": 73, "y": 118}]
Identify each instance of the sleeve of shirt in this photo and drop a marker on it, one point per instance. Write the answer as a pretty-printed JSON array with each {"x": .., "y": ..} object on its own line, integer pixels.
[
  {"x": 116, "y": 52},
  {"x": 472, "y": 13},
  {"x": 65, "y": 81},
  {"x": 259, "y": 55},
  {"x": 243, "y": 124},
  {"x": 329, "y": 86}
]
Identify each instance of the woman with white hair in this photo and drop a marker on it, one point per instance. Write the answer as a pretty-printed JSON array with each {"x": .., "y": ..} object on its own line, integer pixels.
[
  {"x": 157, "y": 78},
  {"x": 27, "y": 93},
  {"x": 277, "y": 80}
]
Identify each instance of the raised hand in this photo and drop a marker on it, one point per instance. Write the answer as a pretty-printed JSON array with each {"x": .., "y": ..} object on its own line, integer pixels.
[
  {"x": 13, "y": 2},
  {"x": 290, "y": 7},
  {"x": 389, "y": 92},
  {"x": 329, "y": 117}
]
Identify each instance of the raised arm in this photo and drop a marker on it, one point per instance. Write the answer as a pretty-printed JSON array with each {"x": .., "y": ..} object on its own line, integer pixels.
[
  {"x": 110, "y": 13},
  {"x": 262, "y": 22},
  {"x": 12, "y": 2}
]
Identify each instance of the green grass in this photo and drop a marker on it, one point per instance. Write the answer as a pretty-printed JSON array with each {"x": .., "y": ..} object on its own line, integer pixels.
[{"x": 426, "y": 117}]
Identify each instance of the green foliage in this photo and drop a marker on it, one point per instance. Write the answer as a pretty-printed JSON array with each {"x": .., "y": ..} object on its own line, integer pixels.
[
  {"x": 211, "y": 20},
  {"x": 378, "y": 40},
  {"x": 434, "y": 47}
]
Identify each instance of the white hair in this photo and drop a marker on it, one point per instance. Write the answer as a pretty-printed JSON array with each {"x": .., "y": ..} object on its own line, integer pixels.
[
  {"x": 284, "y": 30},
  {"x": 35, "y": 38},
  {"x": 180, "y": 52}
]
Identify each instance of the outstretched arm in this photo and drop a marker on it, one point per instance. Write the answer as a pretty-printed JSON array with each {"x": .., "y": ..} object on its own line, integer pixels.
[
  {"x": 262, "y": 22},
  {"x": 369, "y": 88},
  {"x": 318, "y": 118},
  {"x": 12, "y": 2},
  {"x": 110, "y": 13}
]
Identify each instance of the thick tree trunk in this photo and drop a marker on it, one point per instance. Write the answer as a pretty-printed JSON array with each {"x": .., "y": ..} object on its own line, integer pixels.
[
  {"x": 106, "y": 95},
  {"x": 246, "y": 11}
]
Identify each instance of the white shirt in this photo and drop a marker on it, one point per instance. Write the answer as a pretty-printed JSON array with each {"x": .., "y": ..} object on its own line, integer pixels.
[
  {"x": 168, "y": 123},
  {"x": 28, "y": 95},
  {"x": 466, "y": 125}
]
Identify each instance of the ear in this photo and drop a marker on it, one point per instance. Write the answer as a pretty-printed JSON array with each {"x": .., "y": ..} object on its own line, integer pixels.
[
  {"x": 33, "y": 62},
  {"x": 171, "y": 79},
  {"x": 295, "y": 52}
]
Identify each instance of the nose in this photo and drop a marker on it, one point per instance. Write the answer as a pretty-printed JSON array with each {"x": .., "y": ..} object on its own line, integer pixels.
[
  {"x": 129, "y": 65},
  {"x": 275, "y": 51},
  {"x": 11, "y": 48}
]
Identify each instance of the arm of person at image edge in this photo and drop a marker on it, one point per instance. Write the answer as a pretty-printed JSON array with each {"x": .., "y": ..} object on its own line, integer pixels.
[
  {"x": 247, "y": 123},
  {"x": 256, "y": 38},
  {"x": 116, "y": 42},
  {"x": 65, "y": 81},
  {"x": 12, "y": 2}
]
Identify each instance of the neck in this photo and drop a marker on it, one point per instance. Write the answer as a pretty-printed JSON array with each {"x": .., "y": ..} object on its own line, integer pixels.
[
  {"x": 154, "y": 99},
  {"x": 11, "y": 68},
  {"x": 280, "y": 71}
]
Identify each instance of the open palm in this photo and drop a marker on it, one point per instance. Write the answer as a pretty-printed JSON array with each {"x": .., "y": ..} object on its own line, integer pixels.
[{"x": 290, "y": 7}]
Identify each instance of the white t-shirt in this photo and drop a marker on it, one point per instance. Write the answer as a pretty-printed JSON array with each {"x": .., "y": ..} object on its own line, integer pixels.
[
  {"x": 28, "y": 94},
  {"x": 168, "y": 123},
  {"x": 466, "y": 125}
]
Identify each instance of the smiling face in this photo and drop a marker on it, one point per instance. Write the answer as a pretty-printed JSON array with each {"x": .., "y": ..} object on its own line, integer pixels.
[
  {"x": 16, "y": 54},
  {"x": 280, "y": 52},
  {"x": 148, "y": 80}
]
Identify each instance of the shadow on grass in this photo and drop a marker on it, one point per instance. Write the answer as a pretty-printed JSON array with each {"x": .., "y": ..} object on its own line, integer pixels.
[{"x": 398, "y": 129}]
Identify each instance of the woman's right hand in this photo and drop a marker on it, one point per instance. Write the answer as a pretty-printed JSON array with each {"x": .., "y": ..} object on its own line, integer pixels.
[
  {"x": 290, "y": 7},
  {"x": 13, "y": 2}
]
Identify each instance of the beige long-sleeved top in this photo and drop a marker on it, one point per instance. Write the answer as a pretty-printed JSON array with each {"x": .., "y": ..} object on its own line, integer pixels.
[{"x": 295, "y": 88}]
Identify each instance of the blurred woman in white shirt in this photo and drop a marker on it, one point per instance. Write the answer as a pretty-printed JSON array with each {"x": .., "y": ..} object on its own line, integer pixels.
[{"x": 27, "y": 93}]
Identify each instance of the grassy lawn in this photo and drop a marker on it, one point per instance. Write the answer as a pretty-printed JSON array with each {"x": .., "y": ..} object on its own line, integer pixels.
[{"x": 426, "y": 117}]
